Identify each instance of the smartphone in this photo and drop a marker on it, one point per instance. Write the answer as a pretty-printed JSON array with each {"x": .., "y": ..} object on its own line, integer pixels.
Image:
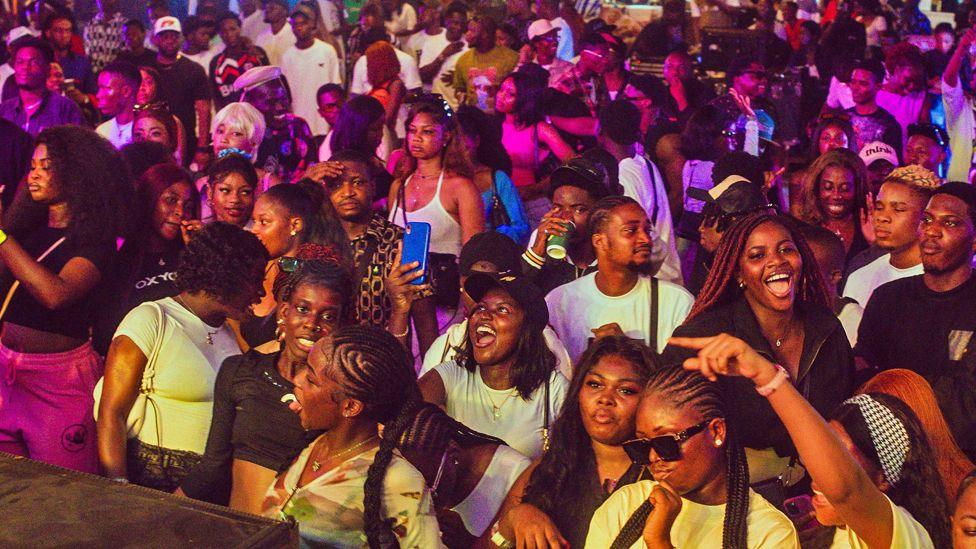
[
  {"x": 798, "y": 507},
  {"x": 416, "y": 247}
]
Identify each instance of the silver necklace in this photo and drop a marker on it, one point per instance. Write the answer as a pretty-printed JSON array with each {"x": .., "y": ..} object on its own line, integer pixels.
[{"x": 210, "y": 335}]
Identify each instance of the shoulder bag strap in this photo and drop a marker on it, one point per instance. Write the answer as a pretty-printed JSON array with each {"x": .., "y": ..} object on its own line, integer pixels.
[
  {"x": 149, "y": 373},
  {"x": 16, "y": 284},
  {"x": 652, "y": 334},
  {"x": 545, "y": 420},
  {"x": 657, "y": 201}
]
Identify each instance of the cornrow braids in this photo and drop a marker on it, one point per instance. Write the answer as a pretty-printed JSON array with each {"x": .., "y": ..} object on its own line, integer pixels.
[
  {"x": 375, "y": 369},
  {"x": 720, "y": 285},
  {"x": 687, "y": 388}
]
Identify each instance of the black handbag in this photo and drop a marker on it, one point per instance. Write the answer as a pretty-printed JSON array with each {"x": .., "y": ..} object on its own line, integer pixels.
[{"x": 497, "y": 214}]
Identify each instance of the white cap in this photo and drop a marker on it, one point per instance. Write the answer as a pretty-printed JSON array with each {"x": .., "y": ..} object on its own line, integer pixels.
[
  {"x": 18, "y": 32},
  {"x": 540, "y": 27},
  {"x": 168, "y": 23},
  {"x": 877, "y": 150},
  {"x": 256, "y": 76}
]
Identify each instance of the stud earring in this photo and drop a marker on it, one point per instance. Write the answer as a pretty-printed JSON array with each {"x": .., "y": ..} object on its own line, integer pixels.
[
  {"x": 742, "y": 284},
  {"x": 718, "y": 442},
  {"x": 293, "y": 232}
]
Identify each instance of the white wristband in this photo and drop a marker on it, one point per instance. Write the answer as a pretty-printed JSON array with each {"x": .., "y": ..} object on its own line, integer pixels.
[{"x": 781, "y": 376}]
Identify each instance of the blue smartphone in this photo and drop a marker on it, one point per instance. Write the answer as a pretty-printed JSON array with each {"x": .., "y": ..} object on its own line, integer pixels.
[{"x": 416, "y": 247}]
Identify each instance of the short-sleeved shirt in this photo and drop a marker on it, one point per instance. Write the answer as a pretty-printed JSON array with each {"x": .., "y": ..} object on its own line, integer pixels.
[
  {"x": 329, "y": 509},
  {"x": 54, "y": 110},
  {"x": 906, "y": 532},
  {"x": 493, "y": 66},
  {"x": 877, "y": 126},
  {"x": 104, "y": 39},
  {"x": 373, "y": 255},
  {"x": 181, "y": 84},
  {"x": 696, "y": 525},
  {"x": 225, "y": 69},
  {"x": 185, "y": 370},
  {"x": 75, "y": 319}
]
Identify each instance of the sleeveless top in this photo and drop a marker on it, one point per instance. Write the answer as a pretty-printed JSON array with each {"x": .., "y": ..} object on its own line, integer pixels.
[{"x": 445, "y": 231}]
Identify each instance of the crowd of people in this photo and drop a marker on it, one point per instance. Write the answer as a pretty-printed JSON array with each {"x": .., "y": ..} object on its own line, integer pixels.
[{"x": 423, "y": 273}]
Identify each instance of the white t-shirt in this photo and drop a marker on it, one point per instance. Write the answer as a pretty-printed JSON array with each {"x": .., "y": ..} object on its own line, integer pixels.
[
  {"x": 120, "y": 136},
  {"x": 520, "y": 421},
  {"x": 409, "y": 75},
  {"x": 445, "y": 348},
  {"x": 696, "y": 525},
  {"x": 203, "y": 58},
  {"x": 185, "y": 371},
  {"x": 906, "y": 532},
  {"x": 850, "y": 319},
  {"x": 907, "y": 109},
  {"x": 638, "y": 183},
  {"x": 275, "y": 45},
  {"x": 253, "y": 25},
  {"x": 579, "y": 306},
  {"x": 426, "y": 47},
  {"x": 564, "y": 50},
  {"x": 864, "y": 281},
  {"x": 307, "y": 70},
  {"x": 447, "y": 73},
  {"x": 403, "y": 20},
  {"x": 479, "y": 508}
]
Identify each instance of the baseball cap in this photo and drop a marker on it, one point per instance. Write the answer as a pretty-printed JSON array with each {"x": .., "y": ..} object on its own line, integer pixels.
[
  {"x": 582, "y": 173},
  {"x": 524, "y": 292},
  {"x": 256, "y": 76},
  {"x": 878, "y": 150},
  {"x": 540, "y": 27},
  {"x": 490, "y": 246},
  {"x": 734, "y": 195},
  {"x": 17, "y": 32},
  {"x": 168, "y": 23},
  {"x": 933, "y": 132}
]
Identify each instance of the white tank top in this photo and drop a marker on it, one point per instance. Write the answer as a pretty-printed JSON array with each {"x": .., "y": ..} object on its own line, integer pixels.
[
  {"x": 445, "y": 231},
  {"x": 479, "y": 508}
]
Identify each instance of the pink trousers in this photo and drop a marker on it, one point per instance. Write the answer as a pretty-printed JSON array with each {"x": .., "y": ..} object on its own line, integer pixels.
[{"x": 46, "y": 406}]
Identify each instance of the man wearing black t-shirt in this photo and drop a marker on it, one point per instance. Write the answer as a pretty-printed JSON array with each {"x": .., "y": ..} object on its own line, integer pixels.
[
  {"x": 184, "y": 87},
  {"x": 927, "y": 323},
  {"x": 871, "y": 122}
]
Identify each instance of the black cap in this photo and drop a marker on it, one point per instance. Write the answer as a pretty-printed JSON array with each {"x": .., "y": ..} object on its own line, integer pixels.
[
  {"x": 524, "y": 292},
  {"x": 582, "y": 173},
  {"x": 933, "y": 132},
  {"x": 490, "y": 246},
  {"x": 733, "y": 196}
]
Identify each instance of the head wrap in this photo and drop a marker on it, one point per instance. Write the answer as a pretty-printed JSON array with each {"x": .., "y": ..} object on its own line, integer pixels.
[{"x": 888, "y": 434}]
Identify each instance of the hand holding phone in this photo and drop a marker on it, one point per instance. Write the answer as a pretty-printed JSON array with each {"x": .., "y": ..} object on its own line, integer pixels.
[{"x": 416, "y": 247}]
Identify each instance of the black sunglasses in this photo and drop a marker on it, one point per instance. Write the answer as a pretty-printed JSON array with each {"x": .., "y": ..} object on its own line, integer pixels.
[
  {"x": 289, "y": 264},
  {"x": 668, "y": 447}
]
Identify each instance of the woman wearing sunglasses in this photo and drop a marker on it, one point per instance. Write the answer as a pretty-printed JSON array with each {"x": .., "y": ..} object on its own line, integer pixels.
[
  {"x": 253, "y": 433},
  {"x": 765, "y": 287},
  {"x": 700, "y": 493},
  {"x": 552, "y": 503},
  {"x": 284, "y": 218},
  {"x": 874, "y": 473}
]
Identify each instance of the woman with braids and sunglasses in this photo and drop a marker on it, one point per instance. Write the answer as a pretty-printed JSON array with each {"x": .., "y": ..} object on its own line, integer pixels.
[
  {"x": 700, "y": 493},
  {"x": 765, "y": 287},
  {"x": 351, "y": 487},
  {"x": 253, "y": 434},
  {"x": 552, "y": 502},
  {"x": 874, "y": 473}
]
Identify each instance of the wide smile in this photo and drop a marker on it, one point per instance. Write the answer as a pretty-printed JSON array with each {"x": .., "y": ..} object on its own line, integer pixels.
[
  {"x": 484, "y": 336},
  {"x": 779, "y": 284},
  {"x": 305, "y": 344}
]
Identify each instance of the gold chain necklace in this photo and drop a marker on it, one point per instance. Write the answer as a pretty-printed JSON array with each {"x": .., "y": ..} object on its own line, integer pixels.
[
  {"x": 210, "y": 335},
  {"x": 496, "y": 409},
  {"x": 316, "y": 464}
]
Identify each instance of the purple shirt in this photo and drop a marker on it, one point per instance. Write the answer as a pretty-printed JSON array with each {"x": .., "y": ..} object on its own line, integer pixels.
[{"x": 55, "y": 110}]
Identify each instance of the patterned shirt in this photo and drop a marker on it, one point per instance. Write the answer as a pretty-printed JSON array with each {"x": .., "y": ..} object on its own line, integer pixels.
[
  {"x": 103, "y": 40},
  {"x": 225, "y": 69},
  {"x": 380, "y": 239}
]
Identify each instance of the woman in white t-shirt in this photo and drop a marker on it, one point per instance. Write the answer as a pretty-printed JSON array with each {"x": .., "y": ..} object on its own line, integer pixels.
[
  {"x": 170, "y": 350},
  {"x": 505, "y": 383},
  {"x": 700, "y": 495},
  {"x": 873, "y": 471}
]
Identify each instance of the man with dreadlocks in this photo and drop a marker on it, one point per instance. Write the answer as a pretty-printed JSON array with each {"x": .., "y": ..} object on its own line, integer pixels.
[{"x": 700, "y": 492}]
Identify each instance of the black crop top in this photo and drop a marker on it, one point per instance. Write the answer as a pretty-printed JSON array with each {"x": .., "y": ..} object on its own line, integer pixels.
[
  {"x": 250, "y": 423},
  {"x": 75, "y": 320}
]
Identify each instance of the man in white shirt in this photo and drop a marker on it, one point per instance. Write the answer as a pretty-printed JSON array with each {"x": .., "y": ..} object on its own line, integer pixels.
[
  {"x": 308, "y": 65},
  {"x": 409, "y": 75},
  {"x": 641, "y": 180},
  {"x": 541, "y": 49},
  {"x": 439, "y": 56},
  {"x": 959, "y": 109},
  {"x": 198, "y": 32},
  {"x": 897, "y": 213},
  {"x": 252, "y": 19},
  {"x": 278, "y": 37},
  {"x": 116, "y": 97},
  {"x": 618, "y": 299}
]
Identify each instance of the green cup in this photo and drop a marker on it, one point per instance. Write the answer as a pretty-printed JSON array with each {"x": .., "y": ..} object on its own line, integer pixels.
[{"x": 556, "y": 244}]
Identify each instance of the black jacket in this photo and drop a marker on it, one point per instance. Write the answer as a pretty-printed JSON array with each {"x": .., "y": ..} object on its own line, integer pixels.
[{"x": 826, "y": 373}]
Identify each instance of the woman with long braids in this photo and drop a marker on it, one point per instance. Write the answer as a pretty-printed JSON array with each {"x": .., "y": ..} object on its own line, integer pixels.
[
  {"x": 350, "y": 486},
  {"x": 253, "y": 434},
  {"x": 555, "y": 499},
  {"x": 284, "y": 218},
  {"x": 432, "y": 184},
  {"x": 504, "y": 382},
  {"x": 57, "y": 246},
  {"x": 765, "y": 288},
  {"x": 700, "y": 492},
  {"x": 874, "y": 473},
  {"x": 468, "y": 473}
]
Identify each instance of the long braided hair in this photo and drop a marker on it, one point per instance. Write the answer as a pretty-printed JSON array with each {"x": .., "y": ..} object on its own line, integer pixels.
[
  {"x": 374, "y": 368},
  {"x": 561, "y": 473},
  {"x": 720, "y": 286},
  {"x": 687, "y": 388}
]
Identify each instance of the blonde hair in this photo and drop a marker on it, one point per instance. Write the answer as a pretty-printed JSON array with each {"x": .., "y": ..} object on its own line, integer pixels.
[
  {"x": 917, "y": 394},
  {"x": 245, "y": 118}
]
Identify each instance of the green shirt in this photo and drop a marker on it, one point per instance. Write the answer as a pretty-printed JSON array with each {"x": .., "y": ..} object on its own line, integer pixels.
[{"x": 492, "y": 66}]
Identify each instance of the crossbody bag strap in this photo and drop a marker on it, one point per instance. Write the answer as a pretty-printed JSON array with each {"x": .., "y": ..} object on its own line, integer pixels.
[
  {"x": 657, "y": 201},
  {"x": 16, "y": 284},
  {"x": 545, "y": 420},
  {"x": 652, "y": 334},
  {"x": 149, "y": 373}
]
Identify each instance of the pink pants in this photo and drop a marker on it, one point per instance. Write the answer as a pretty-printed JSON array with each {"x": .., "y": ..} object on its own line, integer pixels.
[{"x": 46, "y": 406}]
